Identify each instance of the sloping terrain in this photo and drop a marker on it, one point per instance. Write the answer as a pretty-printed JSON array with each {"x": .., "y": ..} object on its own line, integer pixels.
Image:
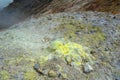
[
  {"x": 47, "y": 6},
  {"x": 59, "y": 40},
  {"x": 55, "y": 6},
  {"x": 20, "y": 10},
  {"x": 26, "y": 54},
  {"x": 112, "y": 6}
]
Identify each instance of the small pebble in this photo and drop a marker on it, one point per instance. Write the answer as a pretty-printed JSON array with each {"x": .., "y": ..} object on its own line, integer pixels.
[
  {"x": 68, "y": 59},
  {"x": 87, "y": 68},
  {"x": 52, "y": 73},
  {"x": 36, "y": 66}
]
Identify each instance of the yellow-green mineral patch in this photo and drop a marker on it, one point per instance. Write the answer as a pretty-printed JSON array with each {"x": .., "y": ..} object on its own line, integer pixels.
[
  {"x": 4, "y": 75},
  {"x": 30, "y": 75},
  {"x": 75, "y": 51},
  {"x": 42, "y": 60},
  {"x": 77, "y": 31}
]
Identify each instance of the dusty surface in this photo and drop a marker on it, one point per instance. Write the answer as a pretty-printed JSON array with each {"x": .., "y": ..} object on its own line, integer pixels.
[{"x": 25, "y": 44}]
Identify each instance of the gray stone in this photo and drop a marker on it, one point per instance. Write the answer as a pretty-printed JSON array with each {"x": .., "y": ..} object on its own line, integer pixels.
[{"x": 87, "y": 68}]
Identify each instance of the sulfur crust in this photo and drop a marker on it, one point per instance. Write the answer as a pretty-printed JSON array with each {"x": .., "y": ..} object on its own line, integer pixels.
[{"x": 72, "y": 49}]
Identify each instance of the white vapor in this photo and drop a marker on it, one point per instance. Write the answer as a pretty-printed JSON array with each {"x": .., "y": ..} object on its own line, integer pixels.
[{"x": 4, "y": 3}]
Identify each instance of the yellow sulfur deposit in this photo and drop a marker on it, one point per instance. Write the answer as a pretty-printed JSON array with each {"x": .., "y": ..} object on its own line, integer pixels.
[
  {"x": 64, "y": 48},
  {"x": 59, "y": 46}
]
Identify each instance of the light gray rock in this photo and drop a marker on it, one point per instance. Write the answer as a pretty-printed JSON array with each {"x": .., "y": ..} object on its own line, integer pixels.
[{"x": 87, "y": 68}]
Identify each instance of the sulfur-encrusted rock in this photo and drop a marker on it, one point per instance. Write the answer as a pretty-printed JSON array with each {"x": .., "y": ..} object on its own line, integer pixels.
[
  {"x": 52, "y": 73},
  {"x": 68, "y": 59}
]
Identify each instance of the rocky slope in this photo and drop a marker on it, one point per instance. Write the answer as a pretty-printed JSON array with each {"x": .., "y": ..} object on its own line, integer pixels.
[
  {"x": 26, "y": 52},
  {"x": 112, "y": 6},
  {"x": 47, "y": 6},
  {"x": 19, "y": 10},
  {"x": 55, "y": 6},
  {"x": 59, "y": 41}
]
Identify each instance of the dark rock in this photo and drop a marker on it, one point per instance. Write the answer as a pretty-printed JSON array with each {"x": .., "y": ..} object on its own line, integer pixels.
[
  {"x": 38, "y": 69},
  {"x": 36, "y": 66},
  {"x": 92, "y": 52}
]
